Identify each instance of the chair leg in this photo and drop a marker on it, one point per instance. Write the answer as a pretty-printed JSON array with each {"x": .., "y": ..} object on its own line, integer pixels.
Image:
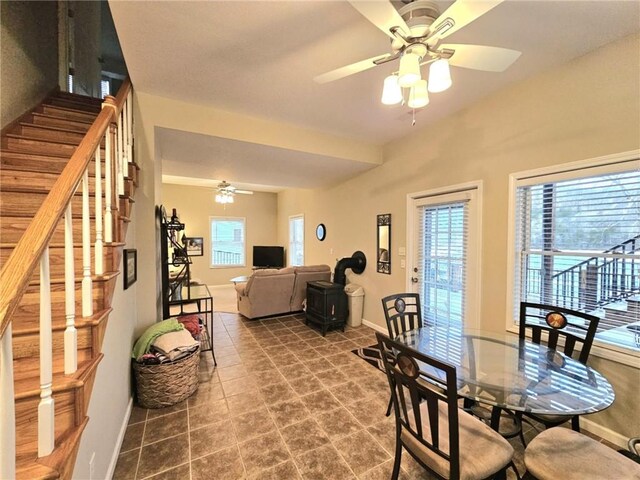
[
  {"x": 521, "y": 433},
  {"x": 575, "y": 423},
  {"x": 389, "y": 406},
  {"x": 397, "y": 461},
  {"x": 513, "y": 466}
]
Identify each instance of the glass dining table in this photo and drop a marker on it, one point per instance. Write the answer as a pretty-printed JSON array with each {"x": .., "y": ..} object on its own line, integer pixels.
[{"x": 499, "y": 369}]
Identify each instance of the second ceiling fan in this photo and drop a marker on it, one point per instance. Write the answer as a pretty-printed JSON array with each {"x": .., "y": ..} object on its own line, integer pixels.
[{"x": 416, "y": 30}]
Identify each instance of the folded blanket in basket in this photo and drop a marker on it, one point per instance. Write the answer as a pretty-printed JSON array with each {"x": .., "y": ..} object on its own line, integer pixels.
[
  {"x": 175, "y": 344},
  {"x": 150, "y": 334}
]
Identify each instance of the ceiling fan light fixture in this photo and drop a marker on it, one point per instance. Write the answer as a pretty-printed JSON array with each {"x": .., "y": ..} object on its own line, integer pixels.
[
  {"x": 418, "y": 95},
  {"x": 224, "y": 197},
  {"x": 439, "y": 76},
  {"x": 391, "y": 91},
  {"x": 409, "y": 73}
]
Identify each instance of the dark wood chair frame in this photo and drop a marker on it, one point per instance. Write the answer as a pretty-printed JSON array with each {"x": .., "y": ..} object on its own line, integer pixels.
[
  {"x": 581, "y": 335},
  {"x": 405, "y": 375},
  {"x": 400, "y": 322}
]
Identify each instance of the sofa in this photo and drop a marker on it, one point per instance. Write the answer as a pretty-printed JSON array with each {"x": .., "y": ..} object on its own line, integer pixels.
[{"x": 278, "y": 291}]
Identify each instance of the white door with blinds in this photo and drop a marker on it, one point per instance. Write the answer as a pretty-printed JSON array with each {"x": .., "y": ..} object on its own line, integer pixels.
[{"x": 444, "y": 255}]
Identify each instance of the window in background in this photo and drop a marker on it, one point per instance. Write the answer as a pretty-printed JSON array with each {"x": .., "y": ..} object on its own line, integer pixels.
[
  {"x": 577, "y": 238},
  {"x": 105, "y": 88},
  {"x": 227, "y": 242},
  {"x": 296, "y": 240}
]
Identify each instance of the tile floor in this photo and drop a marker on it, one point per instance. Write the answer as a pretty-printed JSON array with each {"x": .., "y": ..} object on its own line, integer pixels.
[{"x": 283, "y": 403}]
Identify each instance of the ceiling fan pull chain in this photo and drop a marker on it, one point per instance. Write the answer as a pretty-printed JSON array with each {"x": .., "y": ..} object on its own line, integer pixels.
[{"x": 413, "y": 123}]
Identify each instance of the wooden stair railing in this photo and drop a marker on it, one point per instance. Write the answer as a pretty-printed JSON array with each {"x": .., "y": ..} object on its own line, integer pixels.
[{"x": 112, "y": 130}]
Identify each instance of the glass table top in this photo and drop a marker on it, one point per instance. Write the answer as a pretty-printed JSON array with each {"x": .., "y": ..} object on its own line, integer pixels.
[
  {"x": 499, "y": 369},
  {"x": 193, "y": 292}
]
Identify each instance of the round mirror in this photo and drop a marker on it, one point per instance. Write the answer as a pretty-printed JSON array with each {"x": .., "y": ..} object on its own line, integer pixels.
[{"x": 321, "y": 232}]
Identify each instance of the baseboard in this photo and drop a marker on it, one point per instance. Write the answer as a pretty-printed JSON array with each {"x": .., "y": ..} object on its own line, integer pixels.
[
  {"x": 603, "y": 432},
  {"x": 217, "y": 287},
  {"x": 120, "y": 439},
  {"x": 375, "y": 326}
]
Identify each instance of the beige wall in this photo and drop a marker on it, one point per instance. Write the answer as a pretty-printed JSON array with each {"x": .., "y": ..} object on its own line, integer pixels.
[
  {"x": 196, "y": 204},
  {"x": 587, "y": 108},
  {"x": 28, "y": 56}
]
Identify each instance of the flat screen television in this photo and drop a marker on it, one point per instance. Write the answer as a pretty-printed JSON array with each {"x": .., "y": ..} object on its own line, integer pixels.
[{"x": 268, "y": 257}]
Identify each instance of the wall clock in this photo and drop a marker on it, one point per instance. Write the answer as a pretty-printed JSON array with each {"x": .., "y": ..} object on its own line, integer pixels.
[{"x": 321, "y": 231}]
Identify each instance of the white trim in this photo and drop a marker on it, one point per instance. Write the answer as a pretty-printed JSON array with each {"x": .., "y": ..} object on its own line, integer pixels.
[
  {"x": 298, "y": 215},
  {"x": 603, "y": 432},
  {"x": 119, "y": 440},
  {"x": 474, "y": 288},
  {"x": 613, "y": 162},
  {"x": 374, "y": 326},
  {"x": 602, "y": 161},
  {"x": 244, "y": 241}
]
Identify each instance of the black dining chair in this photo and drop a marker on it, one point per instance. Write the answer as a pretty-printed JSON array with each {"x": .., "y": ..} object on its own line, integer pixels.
[
  {"x": 576, "y": 329},
  {"x": 561, "y": 329},
  {"x": 562, "y": 453},
  {"x": 402, "y": 313},
  {"x": 442, "y": 438}
]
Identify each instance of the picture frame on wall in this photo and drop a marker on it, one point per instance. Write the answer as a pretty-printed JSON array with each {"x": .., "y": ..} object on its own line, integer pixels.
[
  {"x": 130, "y": 267},
  {"x": 194, "y": 246}
]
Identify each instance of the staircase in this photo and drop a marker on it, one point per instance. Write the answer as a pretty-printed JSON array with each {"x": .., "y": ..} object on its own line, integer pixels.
[{"x": 67, "y": 182}]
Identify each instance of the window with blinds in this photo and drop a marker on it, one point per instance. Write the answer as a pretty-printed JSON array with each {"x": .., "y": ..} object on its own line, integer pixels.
[
  {"x": 442, "y": 259},
  {"x": 227, "y": 242},
  {"x": 576, "y": 246},
  {"x": 296, "y": 241}
]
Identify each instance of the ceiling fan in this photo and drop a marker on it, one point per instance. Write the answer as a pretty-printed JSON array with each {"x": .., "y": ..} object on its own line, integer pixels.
[
  {"x": 416, "y": 30},
  {"x": 225, "y": 192}
]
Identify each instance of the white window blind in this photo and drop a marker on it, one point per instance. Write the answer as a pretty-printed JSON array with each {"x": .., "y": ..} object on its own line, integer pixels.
[
  {"x": 442, "y": 259},
  {"x": 576, "y": 245},
  {"x": 227, "y": 242},
  {"x": 296, "y": 241}
]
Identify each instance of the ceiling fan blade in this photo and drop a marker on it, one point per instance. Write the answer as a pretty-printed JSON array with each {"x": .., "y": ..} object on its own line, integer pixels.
[
  {"x": 459, "y": 15},
  {"x": 383, "y": 15},
  {"x": 342, "y": 72},
  {"x": 244, "y": 192},
  {"x": 482, "y": 57}
]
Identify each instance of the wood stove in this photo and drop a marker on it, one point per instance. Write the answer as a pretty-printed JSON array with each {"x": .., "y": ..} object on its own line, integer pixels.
[{"x": 326, "y": 305}]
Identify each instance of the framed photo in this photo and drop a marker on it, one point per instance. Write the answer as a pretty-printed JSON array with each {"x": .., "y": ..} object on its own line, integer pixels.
[
  {"x": 194, "y": 246},
  {"x": 130, "y": 260}
]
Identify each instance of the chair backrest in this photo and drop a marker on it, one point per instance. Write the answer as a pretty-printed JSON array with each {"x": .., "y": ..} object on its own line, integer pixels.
[
  {"x": 576, "y": 328},
  {"x": 402, "y": 312},
  {"x": 411, "y": 373}
]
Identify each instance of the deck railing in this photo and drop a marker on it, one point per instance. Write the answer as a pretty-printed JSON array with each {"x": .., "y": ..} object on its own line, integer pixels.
[{"x": 113, "y": 127}]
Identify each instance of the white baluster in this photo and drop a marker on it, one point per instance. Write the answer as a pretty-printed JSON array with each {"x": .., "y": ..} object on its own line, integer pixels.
[
  {"x": 98, "y": 251},
  {"x": 46, "y": 430},
  {"x": 87, "y": 301},
  {"x": 120, "y": 156},
  {"x": 70, "y": 334},
  {"x": 108, "y": 193},
  {"x": 7, "y": 409}
]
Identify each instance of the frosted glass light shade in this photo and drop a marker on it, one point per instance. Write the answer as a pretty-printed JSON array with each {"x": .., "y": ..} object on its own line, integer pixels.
[
  {"x": 391, "y": 92},
  {"x": 418, "y": 95},
  {"x": 409, "y": 72},
  {"x": 224, "y": 198},
  {"x": 439, "y": 76}
]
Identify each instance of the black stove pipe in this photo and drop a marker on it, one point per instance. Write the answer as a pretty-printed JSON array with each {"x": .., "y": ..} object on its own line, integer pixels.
[{"x": 356, "y": 262}]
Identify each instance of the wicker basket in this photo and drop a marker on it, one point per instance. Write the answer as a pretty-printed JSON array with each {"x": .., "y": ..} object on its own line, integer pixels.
[{"x": 166, "y": 384}]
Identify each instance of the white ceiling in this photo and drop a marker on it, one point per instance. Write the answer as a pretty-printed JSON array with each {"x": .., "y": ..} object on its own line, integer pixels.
[{"x": 259, "y": 59}]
